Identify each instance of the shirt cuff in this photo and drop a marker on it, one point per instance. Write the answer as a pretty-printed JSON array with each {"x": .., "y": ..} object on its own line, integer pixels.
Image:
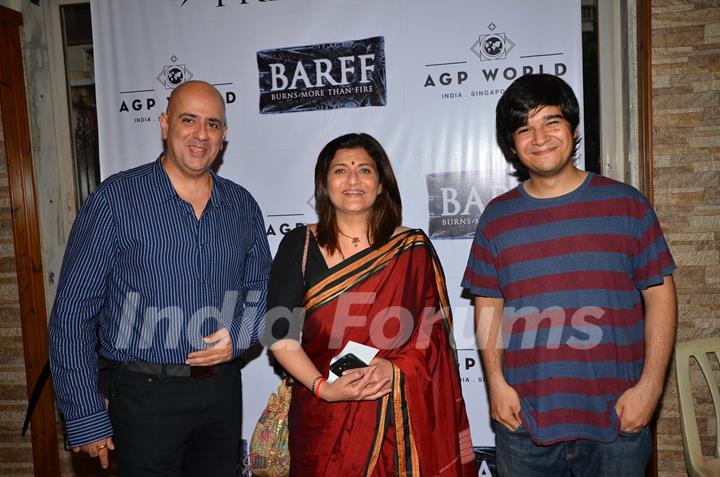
[{"x": 88, "y": 429}]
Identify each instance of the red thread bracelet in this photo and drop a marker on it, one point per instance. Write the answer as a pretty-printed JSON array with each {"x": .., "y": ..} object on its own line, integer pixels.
[{"x": 316, "y": 391}]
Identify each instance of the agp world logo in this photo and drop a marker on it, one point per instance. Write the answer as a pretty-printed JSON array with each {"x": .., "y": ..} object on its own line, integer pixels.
[
  {"x": 492, "y": 46},
  {"x": 140, "y": 102},
  {"x": 172, "y": 76},
  {"x": 501, "y": 63}
]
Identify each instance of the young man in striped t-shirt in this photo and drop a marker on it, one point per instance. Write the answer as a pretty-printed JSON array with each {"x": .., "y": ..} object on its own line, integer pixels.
[{"x": 574, "y": 300}]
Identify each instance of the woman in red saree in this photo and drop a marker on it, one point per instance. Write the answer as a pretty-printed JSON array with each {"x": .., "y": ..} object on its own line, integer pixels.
[{"x": 359, "y": 276}]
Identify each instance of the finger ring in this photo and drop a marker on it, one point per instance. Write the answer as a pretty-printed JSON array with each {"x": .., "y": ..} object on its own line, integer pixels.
[{"x": 101, "y": 447}]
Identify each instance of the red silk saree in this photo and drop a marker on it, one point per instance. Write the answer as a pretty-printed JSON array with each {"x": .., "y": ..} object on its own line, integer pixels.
[{"x": 392, "y": 298}]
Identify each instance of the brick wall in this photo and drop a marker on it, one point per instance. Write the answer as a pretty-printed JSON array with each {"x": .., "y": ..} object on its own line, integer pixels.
[
  {"x": 686, "y": 146},
  {"x": 15, "y": 451}
]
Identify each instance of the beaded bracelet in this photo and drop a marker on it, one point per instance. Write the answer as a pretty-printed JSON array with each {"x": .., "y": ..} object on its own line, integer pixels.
[{"x": 314, "y": 382}]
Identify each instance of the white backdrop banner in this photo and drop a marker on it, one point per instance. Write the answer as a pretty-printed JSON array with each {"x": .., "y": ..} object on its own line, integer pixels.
[{"x": 421, "y": 76}]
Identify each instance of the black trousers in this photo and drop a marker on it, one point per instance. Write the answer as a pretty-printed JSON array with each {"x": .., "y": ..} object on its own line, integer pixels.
[{"x": 171, "y": 426}]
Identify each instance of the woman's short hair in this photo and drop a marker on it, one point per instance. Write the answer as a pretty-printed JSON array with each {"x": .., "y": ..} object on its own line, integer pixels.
[
  {"x": 524, "y": 96},
  {"x": 386, "y": 213}
]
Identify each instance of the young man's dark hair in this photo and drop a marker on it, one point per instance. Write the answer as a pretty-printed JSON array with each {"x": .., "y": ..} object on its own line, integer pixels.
[{"x": 524, "y": 96}]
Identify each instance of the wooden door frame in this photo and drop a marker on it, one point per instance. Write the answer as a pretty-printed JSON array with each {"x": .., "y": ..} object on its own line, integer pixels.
[
  {"x": 644, "y": 88},
  {"x": 26, "y": 234},
  {"x": 645, "y": 146}
]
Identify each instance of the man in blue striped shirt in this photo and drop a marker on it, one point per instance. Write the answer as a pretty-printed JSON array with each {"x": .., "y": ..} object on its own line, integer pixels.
[{"x": 164, "y": 282}]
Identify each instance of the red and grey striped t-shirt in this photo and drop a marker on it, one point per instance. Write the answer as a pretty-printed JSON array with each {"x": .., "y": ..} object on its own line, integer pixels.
[{"x": 570, "y": 270}]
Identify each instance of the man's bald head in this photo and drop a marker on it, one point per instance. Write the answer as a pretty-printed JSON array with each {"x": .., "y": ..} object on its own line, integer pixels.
[
  {"x": 193, "y": 128},
  {"x": 196, "y": 87}
]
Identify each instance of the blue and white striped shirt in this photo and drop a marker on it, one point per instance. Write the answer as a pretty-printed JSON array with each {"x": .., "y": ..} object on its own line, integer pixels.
[{"x": 155, "y": 279}]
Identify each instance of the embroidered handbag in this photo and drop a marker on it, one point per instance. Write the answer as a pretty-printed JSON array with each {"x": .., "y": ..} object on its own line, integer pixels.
[{"x": 269, "y": 452}]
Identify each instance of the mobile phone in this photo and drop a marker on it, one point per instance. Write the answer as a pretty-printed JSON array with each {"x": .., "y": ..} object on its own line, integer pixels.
[{"x": 348, "y": 361}]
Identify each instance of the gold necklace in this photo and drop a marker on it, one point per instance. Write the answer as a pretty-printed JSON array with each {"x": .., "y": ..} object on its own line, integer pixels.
[{"x": 355, "y": 240}]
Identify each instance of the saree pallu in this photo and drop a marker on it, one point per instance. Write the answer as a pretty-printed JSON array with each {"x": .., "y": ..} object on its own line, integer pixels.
[{"x": 392, "y": 298}]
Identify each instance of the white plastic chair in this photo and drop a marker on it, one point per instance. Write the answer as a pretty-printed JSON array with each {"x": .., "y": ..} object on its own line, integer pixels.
[{"x": 695, "y": 462}]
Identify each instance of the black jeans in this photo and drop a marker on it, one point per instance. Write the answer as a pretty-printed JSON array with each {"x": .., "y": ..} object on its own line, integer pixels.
[{"x": 170, "y": 426}]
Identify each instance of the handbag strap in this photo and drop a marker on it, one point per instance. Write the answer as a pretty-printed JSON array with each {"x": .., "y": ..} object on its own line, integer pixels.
[
  {"x": 43, "y": 378},
  {"x": 304, "y": 263}
]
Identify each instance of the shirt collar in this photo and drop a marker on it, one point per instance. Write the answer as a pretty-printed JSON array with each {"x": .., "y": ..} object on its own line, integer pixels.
[
  {"x": 163, "y": 186},
  {"x": 166, "y": 191}
]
